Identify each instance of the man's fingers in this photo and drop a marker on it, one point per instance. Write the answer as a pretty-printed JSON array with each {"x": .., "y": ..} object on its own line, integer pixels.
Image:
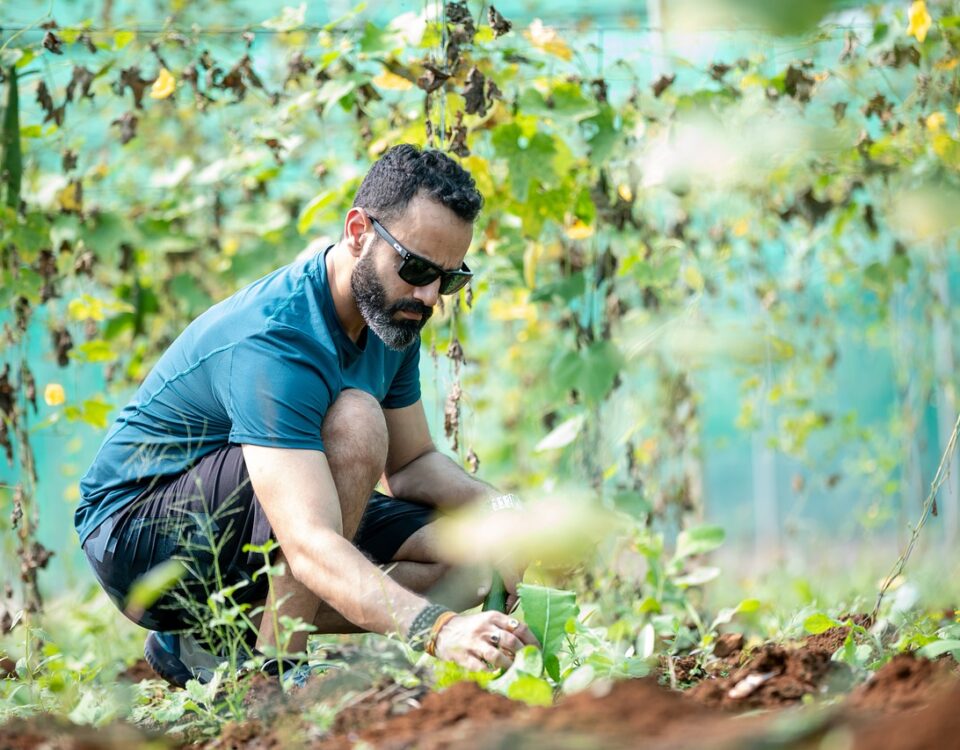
[
  {"x": 472, "y": 664},
  {"x": 509, "y": 642},
  {"x": 495, "y": 657},
  {"x": 519, "y": 629}
]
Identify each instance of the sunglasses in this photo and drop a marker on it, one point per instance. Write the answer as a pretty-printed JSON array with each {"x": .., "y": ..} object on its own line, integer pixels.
[{"x": 418, "y": 271}]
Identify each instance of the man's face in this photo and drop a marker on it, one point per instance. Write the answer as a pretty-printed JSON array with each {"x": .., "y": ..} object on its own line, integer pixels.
[{"x": 394, "y": 309}]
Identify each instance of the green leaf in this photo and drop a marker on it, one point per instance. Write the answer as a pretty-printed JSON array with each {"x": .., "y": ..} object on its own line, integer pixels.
[
  {"x": 546, "y": 612},
  {"x": 122, "y": 38},
  {"x": 592, "y": 371},
  {"x": 310, "y": 211},
  {"x": 939, "y": 648},
  {"x": 153, "y": 584},
  {"x": 561, "y": 435},
  {"x": 819, "y": 623},
  {"x": 698, "y": 541},
  {"x": 534, "y": 691},
  {"x": 528, "y": 157}
]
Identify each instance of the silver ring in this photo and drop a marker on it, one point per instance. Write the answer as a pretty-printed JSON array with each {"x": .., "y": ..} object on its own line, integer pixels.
[
  {"x": 513, "y": 623},
  {"x": 495, "y": 639}
]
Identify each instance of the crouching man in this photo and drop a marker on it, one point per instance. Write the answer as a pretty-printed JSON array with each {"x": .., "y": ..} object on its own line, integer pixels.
[{"x": 275, "y": 414}]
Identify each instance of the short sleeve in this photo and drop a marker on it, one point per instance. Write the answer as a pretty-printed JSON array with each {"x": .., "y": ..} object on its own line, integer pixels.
[
  {"x": 277, "y": 389},
  {"x": 405, "y": 387}
]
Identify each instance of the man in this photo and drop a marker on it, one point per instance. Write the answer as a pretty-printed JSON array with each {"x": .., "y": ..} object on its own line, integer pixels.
[{"x": 275, "y": 414}]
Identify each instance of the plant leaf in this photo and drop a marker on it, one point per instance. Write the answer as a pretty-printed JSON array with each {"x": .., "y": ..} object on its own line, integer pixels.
[
  {"x": 546, "y": 612},
  {"x": 698, "y": 541}
]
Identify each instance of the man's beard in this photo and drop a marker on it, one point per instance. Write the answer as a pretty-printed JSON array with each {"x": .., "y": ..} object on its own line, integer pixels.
[{"x": 371, "y": 299}]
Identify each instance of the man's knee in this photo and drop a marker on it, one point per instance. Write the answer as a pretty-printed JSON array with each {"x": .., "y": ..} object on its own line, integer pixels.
[{"x": 355, "y": 431}]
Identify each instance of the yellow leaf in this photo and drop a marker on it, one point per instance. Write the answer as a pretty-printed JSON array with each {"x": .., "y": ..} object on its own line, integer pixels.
[
  {"x": 920, "y": 20},
  {"x": 579, "y": 230},
  {"x": 69, "y": 197},
  {"x": 531, "y": 256},
  {"x": 693, "y": 278},
  {"x": 948, "y": 63},
  {"x": 165, "y": 85},
  {"x": 936, "y": 121},
  {"x": 957, "y": 110},
  {"x": 391, "y": 81},
  {"x": 741, "y": 227},
  {"x": 624, "y": 191},
  {"x": 122, "y": 38},
  {"x": 547, "y": 39},
  {"x": 54, "y": 395}
]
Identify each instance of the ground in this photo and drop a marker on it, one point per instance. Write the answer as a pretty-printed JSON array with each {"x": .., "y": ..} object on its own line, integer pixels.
[{"x": 769, "y": 696}]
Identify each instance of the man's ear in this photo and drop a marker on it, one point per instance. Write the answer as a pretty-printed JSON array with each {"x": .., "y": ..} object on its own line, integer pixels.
[{"x": 354, "y": 227}]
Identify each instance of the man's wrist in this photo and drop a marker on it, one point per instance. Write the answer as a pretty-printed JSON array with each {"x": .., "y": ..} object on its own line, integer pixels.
[
  {"x": 507, "y": 501},
  {"x": 421, "y": 633}
]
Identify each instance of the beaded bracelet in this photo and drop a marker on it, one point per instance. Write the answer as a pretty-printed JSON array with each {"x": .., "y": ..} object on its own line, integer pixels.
[
  {"x": 422, "y": 626},
  {"x": 442, "y": 620}
]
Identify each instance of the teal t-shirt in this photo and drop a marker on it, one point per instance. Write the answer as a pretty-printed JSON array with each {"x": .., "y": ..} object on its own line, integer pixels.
[{"x": 261, "y": 367}]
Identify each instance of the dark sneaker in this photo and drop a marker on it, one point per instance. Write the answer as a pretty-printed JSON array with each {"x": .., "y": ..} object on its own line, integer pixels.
[{"x": 179, "y": 658}]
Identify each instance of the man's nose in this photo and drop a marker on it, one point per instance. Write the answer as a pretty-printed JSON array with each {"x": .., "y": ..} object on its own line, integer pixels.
[{"x": 428, "y": 294}]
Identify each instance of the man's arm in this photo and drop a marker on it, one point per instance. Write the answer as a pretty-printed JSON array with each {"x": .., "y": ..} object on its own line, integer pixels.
[
  {"x": 416, "y": 470},
  {"x": 298, "y": 494}
]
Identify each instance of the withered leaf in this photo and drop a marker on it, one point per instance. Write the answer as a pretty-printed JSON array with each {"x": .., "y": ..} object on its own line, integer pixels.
[
  {"x": 82, "y": 78},
  {"x": 662, "y": 84},
  {"x": 62, "y": 344},
  {"x": 69, "y": 160},
  {"x": 130, "y": 78},
  {"x": 458, "y": 12},
  {"x": 849, "y": 46},
  {"x": 451, "y": 416},
  {"x": 879, "y": 106},
  {"x": 474, "y": 94},
  {"x": 127, "y": 122},
  {"x": 29, "y": 385},
  {"x": 52, "y": 113},
  {"x": 599, "y": 89},
  {"x": 839, "y": 111},
  {"x": 6, "y": 394},
  {"x": 718, "y": 71},
  {"x": 473, "y": 461},
  {"x": 86, "y": 40},
  {"x": 798, "y": 84},
  {"x": 900, "y": 56},
  {"x": 433, "y": 77},
  {"x": 297, "y": 66},
  {"x": 498, "y": 23},
  {"x": 52, "y": 43},
  {"x": 84, "y": 264}
]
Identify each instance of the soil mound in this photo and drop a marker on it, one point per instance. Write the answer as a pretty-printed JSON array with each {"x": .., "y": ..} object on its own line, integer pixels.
[
  {"x": 832, "y": 639},
  {"x": 773, "y": 676},
  {"x": 936, "y": 725},
  {"x": 55, "y": 733},
  {"x": 902, "y": 684}
]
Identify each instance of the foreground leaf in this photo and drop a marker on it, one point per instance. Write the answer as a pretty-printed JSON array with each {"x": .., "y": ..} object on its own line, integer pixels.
[{"x": 546, "y": 612}]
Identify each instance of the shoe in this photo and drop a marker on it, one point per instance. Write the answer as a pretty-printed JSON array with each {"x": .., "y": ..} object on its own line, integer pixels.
[
  {"x": 179, "y": 658},
  {"x": 294, "y": 675}
]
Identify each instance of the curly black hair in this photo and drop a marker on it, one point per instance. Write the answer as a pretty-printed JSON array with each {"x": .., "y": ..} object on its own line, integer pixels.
[{"x": 404, "y": 171}]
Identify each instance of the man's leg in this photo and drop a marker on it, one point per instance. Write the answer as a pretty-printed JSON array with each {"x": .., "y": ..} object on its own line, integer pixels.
[{"x": 355, "y": 442}]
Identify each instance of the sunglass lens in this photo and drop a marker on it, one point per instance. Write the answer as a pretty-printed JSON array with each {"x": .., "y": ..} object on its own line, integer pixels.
[
  {"x": 417, "y": 273},
  {"x": 453, "y": 283}
]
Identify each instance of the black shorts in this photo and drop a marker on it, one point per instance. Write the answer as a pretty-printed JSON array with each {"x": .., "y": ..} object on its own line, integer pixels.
[{"x": 205, "y": 517}]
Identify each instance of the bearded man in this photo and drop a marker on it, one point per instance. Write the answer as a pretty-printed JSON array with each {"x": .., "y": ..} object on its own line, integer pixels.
[{"x": 273, "y": 416}]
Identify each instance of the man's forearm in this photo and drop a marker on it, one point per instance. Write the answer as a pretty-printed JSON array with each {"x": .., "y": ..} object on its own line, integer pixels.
[
  {"x": 434, "y": 479},
  {"x": 359, "y": 590}
]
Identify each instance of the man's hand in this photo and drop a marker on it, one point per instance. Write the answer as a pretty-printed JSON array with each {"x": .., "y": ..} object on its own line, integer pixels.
[
  {"x": 512, "y": 574},
  {"x": 483, "y": 641}
]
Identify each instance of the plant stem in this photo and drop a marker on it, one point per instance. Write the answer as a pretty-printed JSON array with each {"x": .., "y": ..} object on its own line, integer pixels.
[{"x": 939, "y": 478}]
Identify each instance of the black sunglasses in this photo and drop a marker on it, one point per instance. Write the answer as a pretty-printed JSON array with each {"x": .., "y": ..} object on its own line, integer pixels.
[{"x": 418, "y": 271}]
